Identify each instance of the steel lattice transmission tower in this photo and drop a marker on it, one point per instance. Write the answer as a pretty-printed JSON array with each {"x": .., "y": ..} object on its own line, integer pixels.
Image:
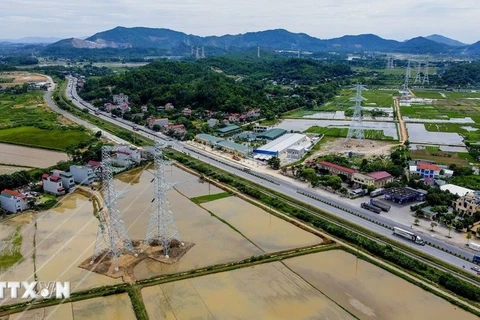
[
  {"x": 425, "y": 75},
  {"x": 390, "y": 65},
  {"x": 406, "y": 90},
  {"x": 112, "y": 238},
  {"x": 356, "y": 126},
  {"x": 418, "y": 77},
  {"x": 161, "y": 224}
]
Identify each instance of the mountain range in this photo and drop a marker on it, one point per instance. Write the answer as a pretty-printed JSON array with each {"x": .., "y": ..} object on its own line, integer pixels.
[{"x": 140, "y": 37}]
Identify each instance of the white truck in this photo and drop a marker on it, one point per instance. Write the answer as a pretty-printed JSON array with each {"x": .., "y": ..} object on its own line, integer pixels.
[{"x": 408, "y": 235}]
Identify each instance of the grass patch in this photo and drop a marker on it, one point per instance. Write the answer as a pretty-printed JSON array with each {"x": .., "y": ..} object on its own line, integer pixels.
[
  {"x": 342, "y": 133},
  {"x": 428, "y": 94},
  {"x": 49, "y": 139},
  {"x": 468, "y": 135},
  {"x": 432, "y": 148},
  {"x": 210, "y": 197},
  {"x": 440, "y": 157},
  {"x": 470, "y": 182},
  {"x": 10, "y": 255}
]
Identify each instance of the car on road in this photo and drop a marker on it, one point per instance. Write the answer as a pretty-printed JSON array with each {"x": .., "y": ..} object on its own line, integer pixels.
[{"x": 475, "y": 268}]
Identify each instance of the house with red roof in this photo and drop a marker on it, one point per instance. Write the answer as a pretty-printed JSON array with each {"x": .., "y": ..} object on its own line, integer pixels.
[
  {"x": 333, "y": 168},
  {"x": 187, "y": 112},
  {"x": 377, "y": 179},
  {"x": 13, "y": 201},
  {"x": 426, "y": 170},
  {"x": 53, "y": 184}
]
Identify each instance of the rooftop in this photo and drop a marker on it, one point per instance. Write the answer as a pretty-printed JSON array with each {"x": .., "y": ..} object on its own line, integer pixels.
[
  {"x": 272, "y": 134},
  {"x": 454, "y": 189},
  {"x": 285, "y": 141},
  {"x": 399, "y": 192},
  {"x": 379, "y": 175},
  {"x": 209, "y": 138},
  {"x": 228, "y": 129},
  {"x": 233, "y": 146},
  {"x": 336, "y": 166},
  {"x": 427, "y": 166},
  {"x": 13, "y": 193}
]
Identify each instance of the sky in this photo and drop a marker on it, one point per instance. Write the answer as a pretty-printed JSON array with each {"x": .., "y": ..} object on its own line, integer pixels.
[{"x": 324, "y": 19}]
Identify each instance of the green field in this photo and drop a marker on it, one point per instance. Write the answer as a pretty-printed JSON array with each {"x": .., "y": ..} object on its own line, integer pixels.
[
  {"x": 342, "y": 133},
  {"x": 25, "y": 119},
  {"x": 462, "y": 95},
  {"x": 50, "y": 139},
  {"x": 27, "y": 109},
  {"x": 210, "y": 197},
  {"x": 428, "y": 94},
  {"x": 432, "y": 148},
  {"x": 10, "y": 254}
]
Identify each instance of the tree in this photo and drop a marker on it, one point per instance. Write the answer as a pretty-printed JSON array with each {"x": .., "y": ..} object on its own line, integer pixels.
[
  {"x": 468, "y": 236},
  {"x": 449, "y": 226},
  {"x": 433, "y": 225},
  {"x": 478, "y": 232},
  {"x": 156, "y": 127},
  {"x": 416, "y": 221},
  {"x": 274, "y": 163},
  {"x": 98, "y": 134}
]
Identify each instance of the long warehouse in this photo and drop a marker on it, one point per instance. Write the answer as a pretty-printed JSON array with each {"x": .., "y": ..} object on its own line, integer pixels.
[{"x": 279, "y": 146}]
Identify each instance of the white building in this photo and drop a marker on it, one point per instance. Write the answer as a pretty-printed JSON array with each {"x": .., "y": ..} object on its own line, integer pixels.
[
  {"x": 52, "y": 184},
  {"x": 67, "y": 178},
  {"x": 13, "y": 201},
  {"x": 212, "y": 122},
  {"x": 127, "y": 156},
  {"x": 454, "y": 189},
  {"x": 257, "y": 128},
  {"x": 297, "y": 152},
  {"x": 120, "y": 98},
  {"x": 83, "y": 174},
  {"x": 279, "y": 146}
]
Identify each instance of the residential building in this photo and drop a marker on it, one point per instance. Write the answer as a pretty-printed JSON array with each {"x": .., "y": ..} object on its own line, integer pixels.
[
  {"x": 257, "y": 128},
  {"x": 13, "y": 201},
  {"x": 109, "y": 107},
  {"x": 169, "y": 106},
  {"x": 83, "y": 174},
  {"x": 255, "y": 113},
  {"x": 123, "y": 107},
  {"x": 96, "y": 166},
  {"x": 52, "y": 184},
  {"x": 333, "y": 168},
  {"x": 178, "y": 129},
  {"x": 381, "y": 178},
  {"x": 426, "y": 170},
  {"x": 120, "y": 98},
  {"x": 469, "y": 204},
  {"x": 376, "y": 179},
  {"x": 128, "y": 156},
  {"x": 161, "y": 122},
  {"x": 212, "y": 122},
  {"x": 234, "y": 117},
  {"x": 187, "y": 112},
  {"x": 228, "y": 130},
  {"x": 144, "y": 108},
  {"x": 66, "y": 177}
]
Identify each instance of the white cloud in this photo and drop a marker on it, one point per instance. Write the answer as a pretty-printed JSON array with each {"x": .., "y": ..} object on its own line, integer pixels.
[{"x": 324, "y": 19}]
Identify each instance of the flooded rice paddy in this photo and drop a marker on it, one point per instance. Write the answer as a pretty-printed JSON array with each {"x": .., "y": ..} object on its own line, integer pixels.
[
  {"x": 268, "y": 291},
  {"x": 268, "y": 232},
  {"x": 370, "y": 292},
  {"x": 116, "y": 307},
  {"x": 30, "y": 157}
]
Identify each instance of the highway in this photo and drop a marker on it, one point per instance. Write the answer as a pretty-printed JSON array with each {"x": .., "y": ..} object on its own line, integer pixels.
[{"x": 287, "y": 188}]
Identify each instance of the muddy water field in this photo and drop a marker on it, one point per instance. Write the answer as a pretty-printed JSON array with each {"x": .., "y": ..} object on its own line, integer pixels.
[
  {"x": 116, "y": 307},
  {"x": 30, "y": 157},
  {"x": 269, "y": 291},
  {"x": 327, "y": 285},
  {"x": 370, "y": 292}
]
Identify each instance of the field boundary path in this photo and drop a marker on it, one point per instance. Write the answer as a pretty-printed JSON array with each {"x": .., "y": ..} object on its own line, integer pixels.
[{"x": 403, "y": 128}]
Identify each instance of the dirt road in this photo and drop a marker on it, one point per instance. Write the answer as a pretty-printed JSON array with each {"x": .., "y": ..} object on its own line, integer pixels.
[{"x": 403, "y": 128}]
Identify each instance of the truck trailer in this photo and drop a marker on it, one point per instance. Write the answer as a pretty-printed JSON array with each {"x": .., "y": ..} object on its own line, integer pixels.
[
  {"x": 382, "y": 205},
  {"x": 369, "y": 207},
  {"x": 408, "y": 235}
]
